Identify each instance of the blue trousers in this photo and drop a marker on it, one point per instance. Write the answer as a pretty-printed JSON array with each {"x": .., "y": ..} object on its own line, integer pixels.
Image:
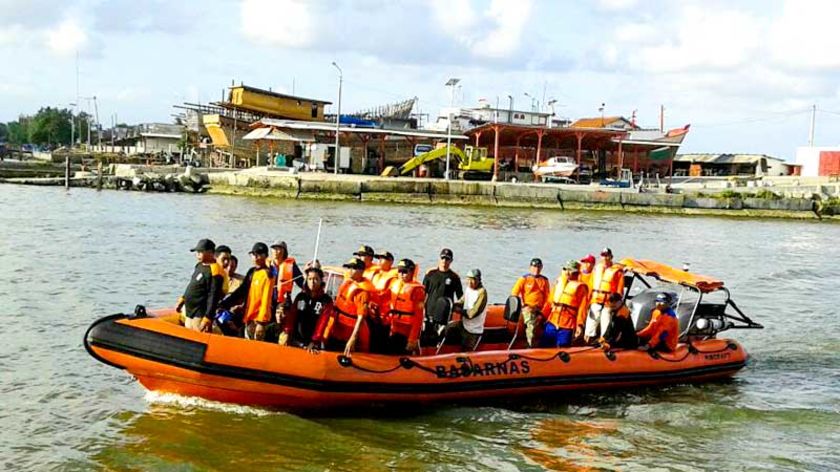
[{"x": 556, "y": 337}]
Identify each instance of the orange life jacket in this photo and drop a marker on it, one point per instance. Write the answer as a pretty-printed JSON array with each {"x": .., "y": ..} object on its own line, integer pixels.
[
  {"x": 406, "y": 308},
  {"x": 350, "y": 303},
  {"x": 258, "y": 303},
  {"x": 662, "y": 331},
  {"x": 371, "y": 271},
  {"x": 568, "y": 302},
  {"x": 606, "y": 280},
  {"x": 285, "y": 274}
]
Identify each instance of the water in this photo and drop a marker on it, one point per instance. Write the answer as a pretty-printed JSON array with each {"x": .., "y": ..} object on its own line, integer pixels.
[{"x": 70, "y": 258}]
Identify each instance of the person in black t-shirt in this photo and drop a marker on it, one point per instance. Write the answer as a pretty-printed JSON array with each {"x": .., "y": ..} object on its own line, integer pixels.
[
  {"x": 204, "y": 291},
  {"x": 302, "y": 317},
  {"x": 442, "y": 282}
]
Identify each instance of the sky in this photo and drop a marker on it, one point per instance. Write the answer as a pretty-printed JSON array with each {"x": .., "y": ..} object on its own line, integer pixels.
[{"x": 744, "y": 74}]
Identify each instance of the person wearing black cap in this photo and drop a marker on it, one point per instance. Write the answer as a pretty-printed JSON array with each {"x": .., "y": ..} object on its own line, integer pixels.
[
  {"x": 204, "y": 291},
  {"x": 350, "y": 314},
  {"x": 607, "y": 278},
  {"x": 286, "y": 272},
  {"x": 441, "y": 282},
  {"x": 533, "y": 289},
  {"x": 405, "y": 308},
  {"x": 256, "y": 293},
  {"x": 302, "y": 317},
  {"x": 366, "y": 254}
]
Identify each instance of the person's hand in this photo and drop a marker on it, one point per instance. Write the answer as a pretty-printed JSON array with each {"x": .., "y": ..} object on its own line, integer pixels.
[
  {"x": 412, "y": 347},
  {"x": 644, "y": 347},
  {"x": 351, "y": 343},
  {"x": 206, "y": 325},
  {"x": 179, "y": 304},
  {"x": 312, "y": 348},
  {"x": 283, "y": 339},
  {"x": 578, "y": 331}
]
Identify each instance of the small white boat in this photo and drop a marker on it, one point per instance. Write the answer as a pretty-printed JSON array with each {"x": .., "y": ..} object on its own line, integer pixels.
[{"x": 555, "y": 167}]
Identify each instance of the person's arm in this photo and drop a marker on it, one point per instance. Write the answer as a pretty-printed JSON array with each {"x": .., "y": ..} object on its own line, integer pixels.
[
  {"x": 652, "y": 327},
  {"x": 297, "y": 276},
  {"x": 620, "y": 287},
  {"x": 266, "y": 303},
  {"x": 583, "y": 309},
  {"x": 214, "y": 295},
  {"x": 238, "y": 296},
  {"x": 517, "y": 287},
  {"x": 458, "y": 288},
  {"x": 351, "y": 343},
  {"x": 480, "y": 304},
  {"x": 419, "y": 297}
]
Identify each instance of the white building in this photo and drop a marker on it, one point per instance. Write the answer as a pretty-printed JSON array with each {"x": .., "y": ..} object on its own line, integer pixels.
[{"x": 819, "y": 161}]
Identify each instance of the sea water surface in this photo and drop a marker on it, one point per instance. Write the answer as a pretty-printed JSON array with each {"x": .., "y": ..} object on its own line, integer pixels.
[{"x": 70, "y": 257}]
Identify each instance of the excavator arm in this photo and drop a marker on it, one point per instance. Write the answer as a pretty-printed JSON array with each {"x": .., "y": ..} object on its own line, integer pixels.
[{"x": 421, "y": 159}]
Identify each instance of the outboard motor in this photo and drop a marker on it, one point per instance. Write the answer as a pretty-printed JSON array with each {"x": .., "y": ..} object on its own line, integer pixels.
[{"x": 438, "y": 314}]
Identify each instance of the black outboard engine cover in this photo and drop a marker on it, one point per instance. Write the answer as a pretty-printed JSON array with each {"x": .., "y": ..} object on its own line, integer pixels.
[{"x": 513, "y": 309}]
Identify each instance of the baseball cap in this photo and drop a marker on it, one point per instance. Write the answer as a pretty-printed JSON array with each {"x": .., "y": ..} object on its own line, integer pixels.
[
  {"x": 222, "y": 248},
  {"x": 606, "y": 252},
  {"x": 405, "y": 265},
  {"x": 259, "y": 249},
  {"x": 572, "y": 266},
  {"x": 385, "y": 255},
  {"x": 364, "y": 251},
  {"x": 536, "y": 262},
  {"x": 446, "y": 253},
  {"x": 204, "y": 245},
  {"x": 354, "y": 263},
  {"x": 589, "y": 258},
  {"x": 473, "y": 274},
  {"x": 663, "y": 298},
  {"x": 279, "y": 243}
]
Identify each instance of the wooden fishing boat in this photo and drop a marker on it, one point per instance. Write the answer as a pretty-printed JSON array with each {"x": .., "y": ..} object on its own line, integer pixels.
[{"x": 167, "y": 357}]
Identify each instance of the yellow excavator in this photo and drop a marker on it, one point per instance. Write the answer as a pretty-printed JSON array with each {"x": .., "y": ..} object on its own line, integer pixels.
[{"x": 473, "y": 163}]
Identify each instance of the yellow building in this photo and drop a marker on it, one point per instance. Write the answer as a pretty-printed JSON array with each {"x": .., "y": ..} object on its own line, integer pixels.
[{"x": 275, "y": 105}]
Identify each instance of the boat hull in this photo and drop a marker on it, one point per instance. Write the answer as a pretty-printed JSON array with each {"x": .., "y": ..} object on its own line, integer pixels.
[{"x": 165, "y": 357}]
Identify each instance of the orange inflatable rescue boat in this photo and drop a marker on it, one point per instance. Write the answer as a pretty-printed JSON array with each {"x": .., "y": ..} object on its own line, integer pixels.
[{"x": 166, "y": 357}]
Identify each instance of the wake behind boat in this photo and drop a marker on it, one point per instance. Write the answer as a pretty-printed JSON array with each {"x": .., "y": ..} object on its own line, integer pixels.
[{"x": 167, "y": 357}]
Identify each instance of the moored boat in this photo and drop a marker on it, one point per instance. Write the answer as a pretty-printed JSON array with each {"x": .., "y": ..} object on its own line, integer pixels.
[{"x": 167, "y": 357}]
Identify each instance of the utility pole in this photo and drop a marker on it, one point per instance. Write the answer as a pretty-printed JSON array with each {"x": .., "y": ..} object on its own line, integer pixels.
[
  {"x": 337, "y": 158},
  {"x": 450, "y": 83},
  {"x": 661, "y": 118},
  {"x": 813, "y": 125},
  {"x": 510, "y": 109}
]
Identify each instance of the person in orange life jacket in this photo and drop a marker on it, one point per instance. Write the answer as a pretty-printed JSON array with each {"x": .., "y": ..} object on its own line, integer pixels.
[
  {"x": 586, "y": 266},
  {"x": 223, "y": 255},
  {"x": 366, "y": 254},
  {"x": 472, "y": 307},
  {"x": 256, "y": 293},
  {"x": 533, "y": 289},
  {"x": 607, "y": 278},
  {"x": 303, "y": 315},
  {"x": 662, "y": 332},
  {"x": 286, "y": 273},
  {"x": 347, "y": 321},
  {"x": 567, "y": 307},
  {"x": 405, "y": 310},
  {"x": 621, "y": 333},
  {"x": 204, "y": 291},
  {"x": 387, "y": 273}
]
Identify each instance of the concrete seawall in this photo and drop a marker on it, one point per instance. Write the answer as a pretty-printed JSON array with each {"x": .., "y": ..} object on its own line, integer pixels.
[{"x": 518, "y": 195}]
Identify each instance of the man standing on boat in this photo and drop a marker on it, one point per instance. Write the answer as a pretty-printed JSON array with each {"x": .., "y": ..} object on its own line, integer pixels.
[
  {"x": 533, "y": 289},
  {"x": 607, "y": 278},
  {"x": 569, "y": 303},
  {"x": 256, "y": 292},
  {"x": 204, "y": 291},
  {"x": 348, "y": 324},
  {"x": 473, "y": 308},
  {"x": 366, "y": 254},
  {"x": 441, "y": 282},
  {"x": 405, "y": 310},
  {"x": 586, "y": 266}
]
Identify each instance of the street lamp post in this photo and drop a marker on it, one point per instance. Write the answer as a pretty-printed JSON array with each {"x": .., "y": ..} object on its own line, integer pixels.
[
  {"x": 449, "y": 83},
  {"x": 72, "y": 125},
  {"x": 338, "y": 119},
  {"x": 510, "y": 108}
]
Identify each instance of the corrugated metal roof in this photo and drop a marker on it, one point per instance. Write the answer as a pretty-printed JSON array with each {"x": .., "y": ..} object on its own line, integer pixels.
[
  {"x": 324, "y": 126},
  {"x": 724, "y": 158},
  {"x": 597, "y": 122}
]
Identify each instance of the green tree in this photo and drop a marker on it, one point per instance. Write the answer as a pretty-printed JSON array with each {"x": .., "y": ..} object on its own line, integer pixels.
[
  {"x": 4, "y": 132},
  {"x": 50, "y": 126},
  {"x": 19, "y": 130}
]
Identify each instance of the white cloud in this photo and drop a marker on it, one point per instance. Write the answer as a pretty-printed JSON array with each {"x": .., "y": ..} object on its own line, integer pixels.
[
  {"x": 616, "y": 5},
  {"x": 805, "y": 35},
  {"x": 278, "y": 22},
  {"x": 11, "y": 35},
  {"x": 66, "y": 38},
  {"x": 495, "y": 33}
]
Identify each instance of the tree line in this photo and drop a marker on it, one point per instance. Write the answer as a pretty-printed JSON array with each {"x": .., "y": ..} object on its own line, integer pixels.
[{"x": 51, "y": 126}]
